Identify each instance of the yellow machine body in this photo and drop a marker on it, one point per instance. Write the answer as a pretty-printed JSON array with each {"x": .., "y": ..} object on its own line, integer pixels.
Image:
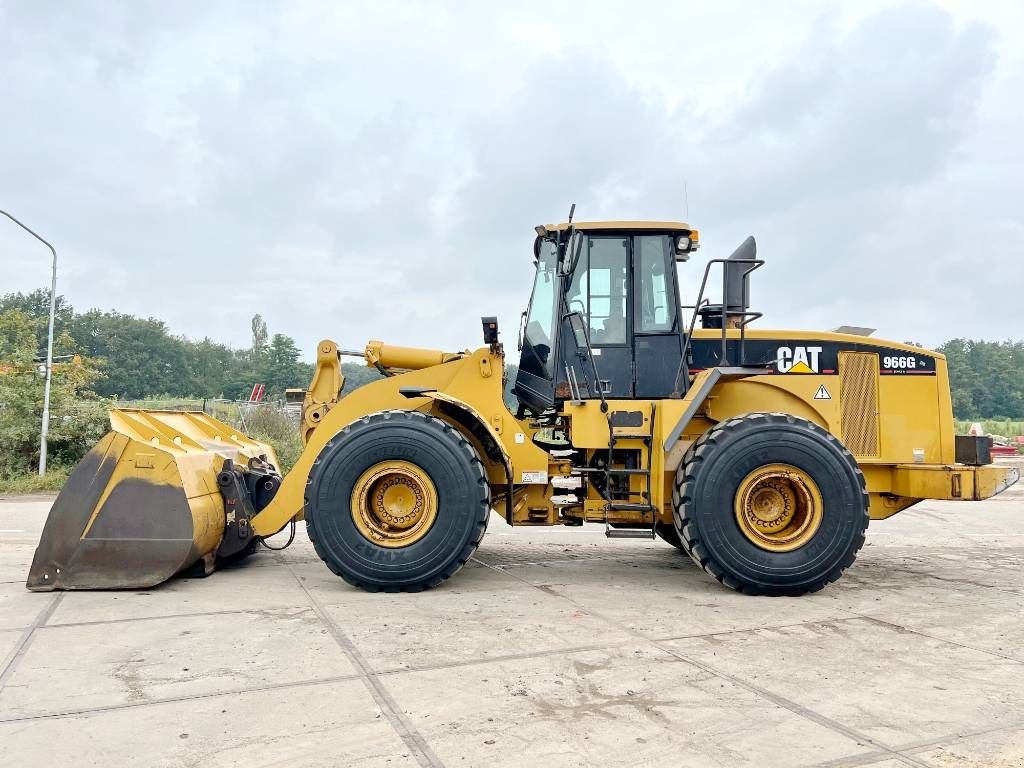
[
  {"x": 906, "y": 424},
  {"x": 166, "y": 491}
]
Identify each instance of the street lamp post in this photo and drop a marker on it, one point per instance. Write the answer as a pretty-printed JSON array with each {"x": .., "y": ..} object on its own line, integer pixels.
[{"x": 49, "y": 346}]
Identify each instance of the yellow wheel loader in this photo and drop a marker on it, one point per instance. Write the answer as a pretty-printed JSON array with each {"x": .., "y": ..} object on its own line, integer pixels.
[{"x": 761, "y": 454}]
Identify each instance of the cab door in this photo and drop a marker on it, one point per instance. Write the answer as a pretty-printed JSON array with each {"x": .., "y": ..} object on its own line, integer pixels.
[
  {"x": 657, "y": 338},
  {"x": 599, "y": 289},
  {"x": 534, "y": 385}
]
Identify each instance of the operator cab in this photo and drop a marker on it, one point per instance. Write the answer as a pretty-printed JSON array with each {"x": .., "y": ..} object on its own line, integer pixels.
[{"x": 611, "y": 286}]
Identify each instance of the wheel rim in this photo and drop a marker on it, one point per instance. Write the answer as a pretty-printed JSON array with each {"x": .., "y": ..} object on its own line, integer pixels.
[
  {"x": 394, "y": 503},
  {"x": 778, "y": 507}
]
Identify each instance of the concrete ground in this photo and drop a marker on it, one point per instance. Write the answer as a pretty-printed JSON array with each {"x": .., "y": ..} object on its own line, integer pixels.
[{"x": 553, "y": 647}]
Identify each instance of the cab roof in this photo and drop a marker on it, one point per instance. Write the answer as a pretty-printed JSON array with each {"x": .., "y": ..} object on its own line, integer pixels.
[{"x": 590, "y": 226}]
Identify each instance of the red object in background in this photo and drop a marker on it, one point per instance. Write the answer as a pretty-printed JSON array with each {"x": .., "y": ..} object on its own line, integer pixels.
[
  {"x": 1019, "y": 439},
  {"x": 1004, "y": 450},
  {"x": 257, "y": 393}
]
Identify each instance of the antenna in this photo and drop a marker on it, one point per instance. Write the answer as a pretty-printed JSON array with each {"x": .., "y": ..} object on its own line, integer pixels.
[
  {"x": 572, "y": 212},
  {"x": 686, "y": 202}
]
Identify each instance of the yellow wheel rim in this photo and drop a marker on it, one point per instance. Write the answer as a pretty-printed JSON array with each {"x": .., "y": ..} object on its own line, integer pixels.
[
  {"x": 778, "y": 507},
  {"x": 394, "y": 503}
]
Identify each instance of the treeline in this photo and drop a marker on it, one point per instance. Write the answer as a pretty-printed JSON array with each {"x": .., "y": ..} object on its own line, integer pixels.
[
  {"x": 137, "y": 358},
  {"x": 986, "y": 378},
  {"x": 100, "y": 357},
  {"x": 134, "y": 358}
]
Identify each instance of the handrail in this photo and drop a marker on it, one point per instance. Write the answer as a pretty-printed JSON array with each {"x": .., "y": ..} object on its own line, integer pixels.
[
  {"x": 682, "y": 381},
  {"x": 590, "y": 356}
]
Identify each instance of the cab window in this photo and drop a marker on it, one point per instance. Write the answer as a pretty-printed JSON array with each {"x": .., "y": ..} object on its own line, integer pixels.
[
  {"x": 653, "y": 259},
  {"x": 539, "y": 331},
  {"x": 598, "y": 288}
]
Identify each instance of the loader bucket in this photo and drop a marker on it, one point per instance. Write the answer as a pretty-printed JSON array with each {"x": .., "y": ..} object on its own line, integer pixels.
[{"x": 144, "y": 503}]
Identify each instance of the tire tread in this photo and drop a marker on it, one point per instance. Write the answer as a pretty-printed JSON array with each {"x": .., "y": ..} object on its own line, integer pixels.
[
  {"x": 458, "y": 562},
  {"x": 689, "y": 467}
]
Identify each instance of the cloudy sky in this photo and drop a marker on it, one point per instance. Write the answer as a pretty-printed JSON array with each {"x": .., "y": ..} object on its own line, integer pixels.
[{"x": 375, "y": 171}]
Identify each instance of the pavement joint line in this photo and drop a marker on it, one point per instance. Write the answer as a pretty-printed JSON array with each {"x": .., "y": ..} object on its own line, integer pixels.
[
  {"x": 306, "y": 683},
  {"x": 779, "y": 701},
  {"x": 922, "y": 633},
  {"x": 572, "y": 561},
  {"x": 90, "y": 711},
  {"x": 541, "y": 563},
  {"x": 921, "y": 746},
  {"x": 856, "y": 760},
  {"x": 562, "y": 651},
  {"x": 850, "y": 761},
  {"x": 618, "y": 560},
  {"x": 471, "y": 662},
  {"x": 505, "y": 657},
  {"x": 403, "y": 726},
  {"x": 11, "y": 662},
  {"x": 954, "y": 580},
  {"x": 593, "y": 647},
  {"x": 197, "y": 614},
  {"x": 766, "y": 627}
]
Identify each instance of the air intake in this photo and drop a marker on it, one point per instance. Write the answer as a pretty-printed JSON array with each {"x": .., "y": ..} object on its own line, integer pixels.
[{"x": 858, "y": 402}]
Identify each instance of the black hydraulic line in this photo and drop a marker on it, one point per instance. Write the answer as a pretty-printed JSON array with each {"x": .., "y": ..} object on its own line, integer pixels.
[{"x": 291, "y": 538}]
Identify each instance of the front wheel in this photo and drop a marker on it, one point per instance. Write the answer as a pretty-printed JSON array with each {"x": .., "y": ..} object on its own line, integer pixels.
[
  {"x": 397, "y": 501},
  {"x": 770, "y": 504}
]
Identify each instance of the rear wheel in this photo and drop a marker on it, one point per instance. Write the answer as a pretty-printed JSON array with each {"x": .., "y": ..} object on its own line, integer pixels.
[
  {"x": 397, "y": 501},
  {"x": 770, "y": 504}
]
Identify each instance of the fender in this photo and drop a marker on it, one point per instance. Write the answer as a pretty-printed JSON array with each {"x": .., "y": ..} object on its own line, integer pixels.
[{"x": 466, "y": 416}]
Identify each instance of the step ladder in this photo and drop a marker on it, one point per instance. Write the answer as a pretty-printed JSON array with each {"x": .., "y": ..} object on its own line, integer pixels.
[{"x": 622, "y": 430}]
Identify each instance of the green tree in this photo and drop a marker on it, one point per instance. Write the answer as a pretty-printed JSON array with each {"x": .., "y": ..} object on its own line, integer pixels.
[
  {"x": 259, "y": 338},
  {"x": 140, "y": 356},
  {"x": 36, "y": 306},
  {"x": 17, "y": 338},
  {"x": 281, "y": 367},
  {"x": 77, "y": 415},
  {"x": 356, "y": 375},
  {"x": 986, "y": 378},
  {"x": 213, "y": 368}
]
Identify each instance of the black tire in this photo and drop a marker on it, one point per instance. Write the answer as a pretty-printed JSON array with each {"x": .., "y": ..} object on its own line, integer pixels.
[
  {"x": 668, "y": 533},
  {"x": 463, "y": 502},
  {"x": 707, "y": 482}
]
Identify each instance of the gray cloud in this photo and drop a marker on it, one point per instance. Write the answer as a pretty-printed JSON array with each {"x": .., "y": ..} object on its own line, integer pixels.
[{"x": 356, "y": 173}]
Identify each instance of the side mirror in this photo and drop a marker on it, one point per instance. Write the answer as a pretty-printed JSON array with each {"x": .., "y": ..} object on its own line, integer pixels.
[{"x": 572, "y": 253}]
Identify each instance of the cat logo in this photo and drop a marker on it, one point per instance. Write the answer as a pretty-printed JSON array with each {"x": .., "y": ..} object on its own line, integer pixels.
[{"x": 797, "y": 359}]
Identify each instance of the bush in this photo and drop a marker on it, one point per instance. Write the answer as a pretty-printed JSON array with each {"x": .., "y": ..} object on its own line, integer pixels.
[
  {"x": 76, "y": 424},
  {"x": 1005, "y": 427},
  {"x": 272, "y": 425},
  {"x": 31, "y": 482},
  {"x": 75, "y": 427},
  {"x": 77, "y": 416}
]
